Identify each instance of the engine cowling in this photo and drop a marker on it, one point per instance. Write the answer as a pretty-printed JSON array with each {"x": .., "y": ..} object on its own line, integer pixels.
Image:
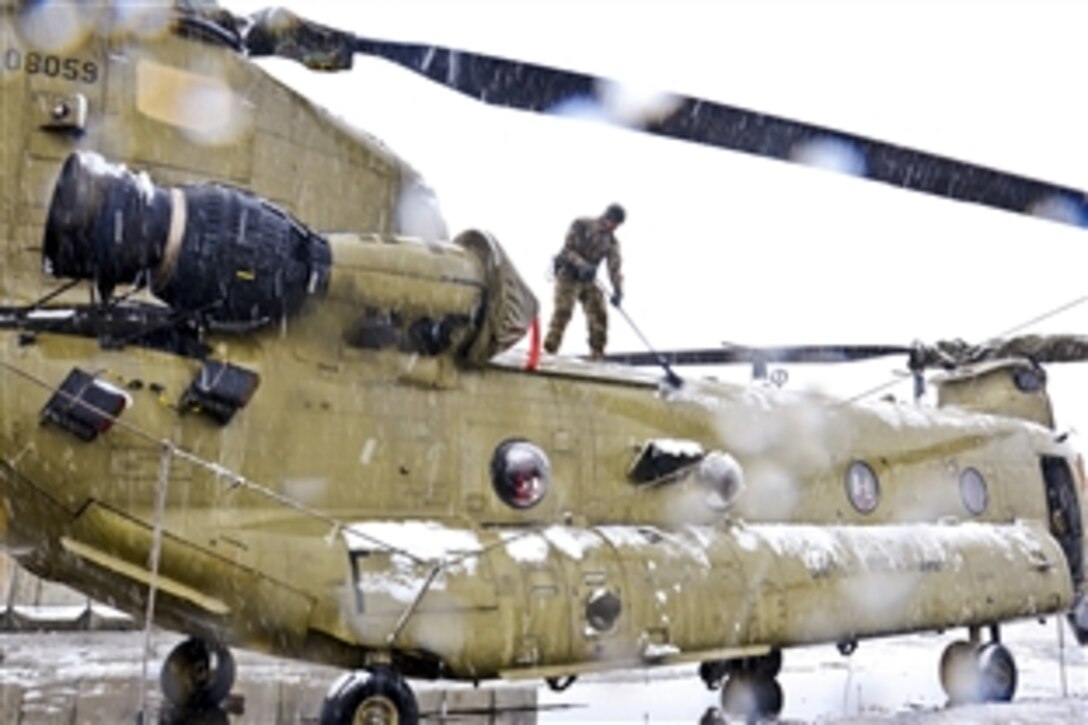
[
  {"x": 220, "y": 252},
  {"x": 463, "y": 297},
  {"x": 238, "y": 262}
]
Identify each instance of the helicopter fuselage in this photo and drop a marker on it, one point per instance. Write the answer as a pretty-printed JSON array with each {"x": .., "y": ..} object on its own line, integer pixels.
[
  {"x": 333, "y": 490},
  {"x": 352, "y": 515}
]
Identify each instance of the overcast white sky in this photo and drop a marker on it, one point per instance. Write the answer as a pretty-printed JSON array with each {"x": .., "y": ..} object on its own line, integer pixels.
[{"x": 722, "y": 246}]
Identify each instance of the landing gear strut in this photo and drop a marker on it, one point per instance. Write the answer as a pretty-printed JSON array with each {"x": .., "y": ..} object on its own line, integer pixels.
[
  {"x": 378, "y": 697},
  {"x": 975, "y": 672},
  {"x": 751, "y": 690},
  {"x": 196, "y": 679}
]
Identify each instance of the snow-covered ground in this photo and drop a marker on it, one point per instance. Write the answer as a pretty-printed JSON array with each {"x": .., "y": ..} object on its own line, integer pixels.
[
  {"x": 886, "y": 680},
  {"x": 889, "y": 679}
]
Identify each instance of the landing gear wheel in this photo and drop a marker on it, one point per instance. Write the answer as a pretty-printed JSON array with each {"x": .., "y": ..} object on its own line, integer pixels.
[
  {"x": 752, "y": 697},
  {"x": 379, "y": 697},
  {"x": 713, "y": 673},
  {"x": 960, "y": 673},
  {"x": 997, "y": 673},
  {"x": 771, "y": 696},
  {"x": 197, "y": 675}
]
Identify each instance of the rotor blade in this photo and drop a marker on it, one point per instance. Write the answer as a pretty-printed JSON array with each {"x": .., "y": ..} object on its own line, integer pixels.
[
  {"x": 1040, "y": 348},
  {"x": 532, "y": 87},
  {"x": 946, "y": 354},
  {"x": 730, "y": 354}
]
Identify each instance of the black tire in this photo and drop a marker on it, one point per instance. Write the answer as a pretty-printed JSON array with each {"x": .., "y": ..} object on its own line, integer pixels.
[
  {"x": 383, "y": 690},
  {"x": 752, "y": 697},
  {"x": 771, "y": 697},
  {"x": 225, "y": 671},
  {"x": 997, "y": 673},
  {"x": 739, "y": 698},
  {"x": 960, "y": 672},
  {"x": 197, "y": 675}
]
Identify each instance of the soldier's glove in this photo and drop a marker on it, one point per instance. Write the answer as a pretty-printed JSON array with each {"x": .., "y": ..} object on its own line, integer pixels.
[{"x": 617, "y": 298}]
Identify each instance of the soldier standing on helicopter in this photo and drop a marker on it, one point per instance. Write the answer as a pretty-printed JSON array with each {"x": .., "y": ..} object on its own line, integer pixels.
[{"x": 588, "y": 241}]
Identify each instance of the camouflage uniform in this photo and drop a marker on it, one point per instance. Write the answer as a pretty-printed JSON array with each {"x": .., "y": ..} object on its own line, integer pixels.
[{"x": 588, "y": 242}]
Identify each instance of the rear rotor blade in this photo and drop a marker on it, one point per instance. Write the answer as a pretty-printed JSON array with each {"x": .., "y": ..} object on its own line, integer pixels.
[
  {"x": 1041, "y": 349},
  {"x": 945, "y": 354}
]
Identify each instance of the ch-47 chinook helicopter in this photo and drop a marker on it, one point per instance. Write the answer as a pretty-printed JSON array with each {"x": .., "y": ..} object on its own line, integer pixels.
[{"x": 277, "y": 415}]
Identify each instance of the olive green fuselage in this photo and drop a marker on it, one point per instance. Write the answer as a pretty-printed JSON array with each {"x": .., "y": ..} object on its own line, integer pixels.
[
  {"x": 312, "y": 523},
  {"x": 346, "y": 513}
]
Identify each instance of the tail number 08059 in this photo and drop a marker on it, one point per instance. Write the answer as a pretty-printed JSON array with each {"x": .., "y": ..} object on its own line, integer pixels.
[{"x": 54, "y": 66}]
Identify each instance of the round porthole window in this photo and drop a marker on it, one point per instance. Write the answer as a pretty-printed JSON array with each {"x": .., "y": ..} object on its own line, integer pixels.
[
  {"x": 520, "y": 473},
  {"x": 720, "y": 475},
  {"x": 973, "y": 491},
  {"x": 603, "y": 608},
  {"x": 862, "y": 487}
]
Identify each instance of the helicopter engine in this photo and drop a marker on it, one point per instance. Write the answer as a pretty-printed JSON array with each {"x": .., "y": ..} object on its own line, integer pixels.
[
  {"x": 232, "y": 258},
  {"x": 236, "y": 262}
]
